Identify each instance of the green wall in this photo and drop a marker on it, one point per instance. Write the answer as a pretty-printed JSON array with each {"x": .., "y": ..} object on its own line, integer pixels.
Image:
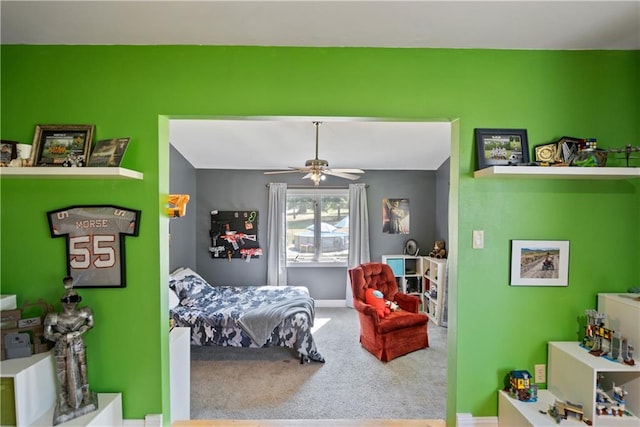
[{"x": 131, "y": 90}]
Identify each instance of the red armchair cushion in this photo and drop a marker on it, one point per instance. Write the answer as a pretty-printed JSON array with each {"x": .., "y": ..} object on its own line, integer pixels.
[{"x": 401, "y": 319}]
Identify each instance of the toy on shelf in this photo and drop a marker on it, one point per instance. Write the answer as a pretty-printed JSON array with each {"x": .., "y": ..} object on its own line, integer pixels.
[
  {"x": 562, "y": 410},
  {"x": 439, "y": 250},
  {"x": 606, "y": 405},
  {"x": 520, "y": 386},
  {"x": 601, "y": 341}
]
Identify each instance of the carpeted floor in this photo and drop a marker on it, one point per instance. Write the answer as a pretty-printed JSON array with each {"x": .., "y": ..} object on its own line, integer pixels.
[{"x": 270, "y": 383}]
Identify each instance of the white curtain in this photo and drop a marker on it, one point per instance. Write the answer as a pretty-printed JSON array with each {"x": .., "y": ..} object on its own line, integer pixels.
[
  {"x": 276, "y": 235},
  {"x": 358, "y": 232}
]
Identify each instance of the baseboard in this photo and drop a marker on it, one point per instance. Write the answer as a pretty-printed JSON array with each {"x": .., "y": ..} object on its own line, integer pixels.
[
  {"x": 330, "y": 303},
  {"x": 151, "y": 420},
  {"x": 468, "y": 420}
]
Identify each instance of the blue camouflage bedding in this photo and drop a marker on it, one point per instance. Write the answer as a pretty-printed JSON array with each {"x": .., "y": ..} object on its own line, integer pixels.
[{"x": 215, "y": 314}]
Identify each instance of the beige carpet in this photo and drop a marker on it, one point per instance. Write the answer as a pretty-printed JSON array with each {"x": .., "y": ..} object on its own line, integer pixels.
[{"x": 270, "y": 383}]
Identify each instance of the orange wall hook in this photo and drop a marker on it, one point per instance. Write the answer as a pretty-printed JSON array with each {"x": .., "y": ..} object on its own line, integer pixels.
[{"x": 178, "y": 205}]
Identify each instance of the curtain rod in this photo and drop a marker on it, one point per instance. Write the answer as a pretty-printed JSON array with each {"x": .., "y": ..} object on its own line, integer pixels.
[{"x": 294, "y": 187}]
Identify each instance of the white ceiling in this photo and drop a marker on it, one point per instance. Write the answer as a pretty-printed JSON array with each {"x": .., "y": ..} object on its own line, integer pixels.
[
  {"x": 343, "y": 142},
  {"x": 366, "y": 144}
]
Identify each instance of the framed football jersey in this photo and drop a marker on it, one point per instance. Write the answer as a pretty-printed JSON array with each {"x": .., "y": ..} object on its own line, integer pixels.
[{"x": 95, "y": 242}]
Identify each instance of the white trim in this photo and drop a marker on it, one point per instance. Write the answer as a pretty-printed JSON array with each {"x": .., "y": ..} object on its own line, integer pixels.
[
  {"x": 468, "y": 420},
  {"x": 330, "y": 303}
]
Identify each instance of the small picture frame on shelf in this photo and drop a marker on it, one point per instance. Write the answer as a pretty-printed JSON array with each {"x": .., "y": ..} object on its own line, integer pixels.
[
  {"x": 539, "y": 263},
  {"x": 109, "y": 152},
  {"x": 61, "y": 145},
  {"x": 8, "y": 152},
  {"x": 501, "y": 147}
]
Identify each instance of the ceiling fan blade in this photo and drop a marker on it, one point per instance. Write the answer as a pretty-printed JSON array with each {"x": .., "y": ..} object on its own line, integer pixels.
[
  {"x": 341, "y": 174},
  {"x": 308, "y": 176},
  {"x": 278, "y": 172},
  {"x": 290, "y": 170},
  {"x": 347, "y": 170}
]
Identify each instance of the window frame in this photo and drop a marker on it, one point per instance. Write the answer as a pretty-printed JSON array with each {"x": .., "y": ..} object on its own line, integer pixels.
[{"x": 316, "y": 194}]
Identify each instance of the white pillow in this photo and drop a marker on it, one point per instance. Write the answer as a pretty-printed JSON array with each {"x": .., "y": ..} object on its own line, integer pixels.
[{"x": 181, "y": 272}]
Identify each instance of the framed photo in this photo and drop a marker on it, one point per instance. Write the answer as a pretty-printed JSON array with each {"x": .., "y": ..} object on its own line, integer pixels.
[
  {"x": 501, "y": 147},
  {"x": 61, "y": 145},
  {"x": 539, "y": 263},
  {"x": 8, "y": 152},
  {"x": 108, "y": 152}
]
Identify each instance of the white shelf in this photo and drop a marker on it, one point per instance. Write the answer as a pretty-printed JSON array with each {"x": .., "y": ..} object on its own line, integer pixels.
[
  {"x": 435, "y": 279},
  {"x": 513, "y": 412},
  {"x": 70, "y": 173},
  {"x": 109, "y": 413},
  {"x": 407, "y": 269},
  {"x": 557, "y": 172},
  {"x": 573, "y": 374}
]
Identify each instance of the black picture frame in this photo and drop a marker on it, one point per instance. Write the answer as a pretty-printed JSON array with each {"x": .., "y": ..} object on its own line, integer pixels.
[
  {"x": 8, "y": 152},
  {"x": 108, "y": 152},
  {"x": 501, "y": 147},
  {"x": 62, "y": 145}
]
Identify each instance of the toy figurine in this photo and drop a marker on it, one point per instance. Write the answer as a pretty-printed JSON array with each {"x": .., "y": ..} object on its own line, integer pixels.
[
  {"x": 66, "y": 330},
  {"x": 439, "y": 250},
  {"x": 521, "y": 386}
]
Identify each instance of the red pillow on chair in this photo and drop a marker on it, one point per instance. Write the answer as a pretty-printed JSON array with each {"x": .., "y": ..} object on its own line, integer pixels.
[{"x": 375, "y": 298}]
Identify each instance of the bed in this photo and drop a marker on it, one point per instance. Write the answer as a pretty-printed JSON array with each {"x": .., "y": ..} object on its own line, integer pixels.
[{"x": 244, "y": 316}]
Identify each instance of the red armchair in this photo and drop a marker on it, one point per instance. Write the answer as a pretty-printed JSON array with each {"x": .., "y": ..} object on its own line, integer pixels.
[{"x": 399, "y": 332}]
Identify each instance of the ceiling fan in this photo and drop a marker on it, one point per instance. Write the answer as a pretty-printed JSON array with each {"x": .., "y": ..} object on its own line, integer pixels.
[{"x": 316, "y": 169}]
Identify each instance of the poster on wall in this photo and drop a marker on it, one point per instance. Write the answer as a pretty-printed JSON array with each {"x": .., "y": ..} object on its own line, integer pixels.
[
  {"x": 234, "y": 234},
  {"x": 95, "y": 242},
  {"x": 395, "y": 216}
]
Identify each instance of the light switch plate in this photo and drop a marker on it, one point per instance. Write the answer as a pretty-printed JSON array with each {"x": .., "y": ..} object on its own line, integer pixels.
[{"x": 478, "y": 239}]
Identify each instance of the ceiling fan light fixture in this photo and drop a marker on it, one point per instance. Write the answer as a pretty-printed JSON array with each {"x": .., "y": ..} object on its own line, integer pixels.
[{"x": 317, "y": 169}]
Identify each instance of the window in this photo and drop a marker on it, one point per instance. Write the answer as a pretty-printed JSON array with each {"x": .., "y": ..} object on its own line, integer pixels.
[{"x": 317, "y": 226}]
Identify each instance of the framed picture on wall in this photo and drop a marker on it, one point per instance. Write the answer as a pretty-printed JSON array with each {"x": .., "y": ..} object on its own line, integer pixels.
[
  {"x": 539, "y": 263},
  {"x": 109, "y": 152},
  {"x": 8, "y": 152},
  {"x": 501, "y": 147},
  {"x": 61, "y": 145}
]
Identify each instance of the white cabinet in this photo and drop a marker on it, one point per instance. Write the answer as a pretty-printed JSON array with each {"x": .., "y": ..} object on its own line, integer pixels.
[
  {"x": 435, "y": 292},
  {"x": 573, "y": 374},
  {"x": 408, "y": 271},
  {"x": 30, "y": 383}
]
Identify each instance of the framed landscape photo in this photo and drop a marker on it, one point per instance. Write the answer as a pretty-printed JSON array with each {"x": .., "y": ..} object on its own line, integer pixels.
[
  {"x": 539, "y": 263},
  {"x": 501, "y": 147},
  {"x": 61, "y": 145},
  {"x": 108, "y": 152}
]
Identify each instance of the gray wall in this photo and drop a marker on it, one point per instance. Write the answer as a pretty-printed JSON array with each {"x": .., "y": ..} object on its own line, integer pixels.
[
  {"x": 246, "y": 190},
  {"x": 182, "y": 230}
]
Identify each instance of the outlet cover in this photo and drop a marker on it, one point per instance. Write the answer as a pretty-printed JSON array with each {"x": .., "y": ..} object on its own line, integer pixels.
[{"x": 540, "y": 375}]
